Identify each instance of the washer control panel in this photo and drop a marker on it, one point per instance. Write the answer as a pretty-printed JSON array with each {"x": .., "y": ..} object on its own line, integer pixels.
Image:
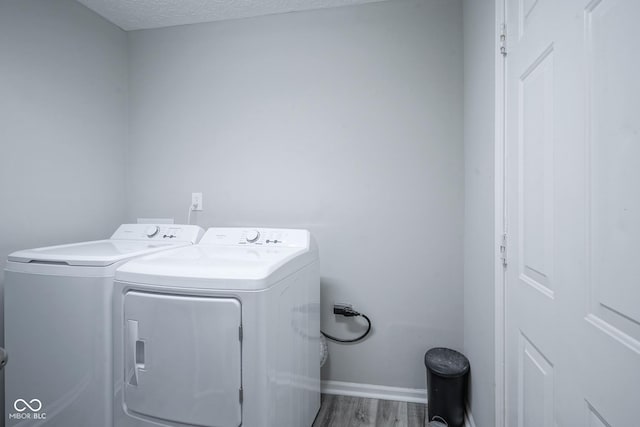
[
  {"x": 265, "y": 237},
  {"x": 159, "y": 232}
]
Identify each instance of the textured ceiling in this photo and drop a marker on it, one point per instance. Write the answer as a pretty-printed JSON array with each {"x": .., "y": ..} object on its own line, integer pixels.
[{"x": 140, "y": 14}]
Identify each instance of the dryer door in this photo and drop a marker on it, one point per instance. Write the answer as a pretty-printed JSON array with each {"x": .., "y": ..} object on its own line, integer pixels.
[{"x": 182, "y": 359}]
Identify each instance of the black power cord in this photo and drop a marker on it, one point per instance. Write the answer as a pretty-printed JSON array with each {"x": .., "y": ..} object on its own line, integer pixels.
[{"x": 347, "y": 311}]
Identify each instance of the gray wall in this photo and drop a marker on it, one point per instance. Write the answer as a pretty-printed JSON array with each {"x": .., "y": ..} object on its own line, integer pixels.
[
  {"x": 63, "y": 124},
  {"x": 479, "y": 262},
  {"x": 344, "y": 121}
]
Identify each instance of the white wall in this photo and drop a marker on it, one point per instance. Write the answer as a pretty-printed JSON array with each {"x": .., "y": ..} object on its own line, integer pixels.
[
  {"x": 479, "y": 262},
  {"x": 63, "y": 124},
  {"x": 344, "y": 121}
]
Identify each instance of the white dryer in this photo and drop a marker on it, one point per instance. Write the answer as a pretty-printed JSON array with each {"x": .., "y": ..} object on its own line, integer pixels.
[
  {"x": 57, "y": 312},
  {"x": 220, "y": 334}
]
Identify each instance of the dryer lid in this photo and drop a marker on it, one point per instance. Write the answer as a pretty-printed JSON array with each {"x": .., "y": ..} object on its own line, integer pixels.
[
  {"x": 223, "y": 257},
  {"x": 206, "y": 262}
]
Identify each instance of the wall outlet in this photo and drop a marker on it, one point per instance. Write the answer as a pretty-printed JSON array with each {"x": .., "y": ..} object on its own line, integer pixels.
[{"x": 196, "y": 201}]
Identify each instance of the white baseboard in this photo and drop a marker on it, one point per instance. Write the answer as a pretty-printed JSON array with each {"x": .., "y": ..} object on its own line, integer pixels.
[{"x": 372, "y": 391}]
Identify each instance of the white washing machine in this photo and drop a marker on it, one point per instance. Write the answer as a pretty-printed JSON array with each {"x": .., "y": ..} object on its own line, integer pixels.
[
  {"x": 220, "y": 334},
  {"x": 57, "y": 310}
]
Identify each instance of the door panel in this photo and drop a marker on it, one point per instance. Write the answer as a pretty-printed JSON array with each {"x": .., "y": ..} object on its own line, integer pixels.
[
  {"x": 535, "y": 403},
  {"x": 536, "y": 173},
  {"x": 573, "y": 213},
  {"x": 182, "y": 358},
  {"x": 594, "y": 419},
  {"x": 614, "y": 165},
  {"x": 526, "y": 14}
]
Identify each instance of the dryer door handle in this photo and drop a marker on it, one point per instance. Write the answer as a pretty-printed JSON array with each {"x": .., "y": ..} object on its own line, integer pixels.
[{"x": 135, "y": 354}]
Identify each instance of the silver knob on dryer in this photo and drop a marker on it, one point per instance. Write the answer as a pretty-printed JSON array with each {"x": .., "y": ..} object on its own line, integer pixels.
[
  {"x": 152, "y": 230},
  {"x": 252, "y": 235}
]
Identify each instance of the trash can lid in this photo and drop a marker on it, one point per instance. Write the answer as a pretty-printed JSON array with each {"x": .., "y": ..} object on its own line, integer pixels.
[{"x": 446, "y": 362}]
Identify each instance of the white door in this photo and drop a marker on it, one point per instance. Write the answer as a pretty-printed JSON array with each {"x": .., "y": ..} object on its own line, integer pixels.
[
  {"x": 573, "y": 223},
  {"x": 182, "y": 359}
]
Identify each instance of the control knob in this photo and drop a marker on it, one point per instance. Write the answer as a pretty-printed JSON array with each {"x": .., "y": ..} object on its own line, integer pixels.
[
  {"x": 253, "y": 235},
  {"x": 152, "y": 230}
]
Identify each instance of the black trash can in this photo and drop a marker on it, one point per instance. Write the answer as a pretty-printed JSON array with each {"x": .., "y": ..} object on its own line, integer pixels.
[{"x": 447, "y": 372}]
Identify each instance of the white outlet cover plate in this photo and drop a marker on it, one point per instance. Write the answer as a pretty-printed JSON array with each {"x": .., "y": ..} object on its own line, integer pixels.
[{"x": 196, "y": 201}]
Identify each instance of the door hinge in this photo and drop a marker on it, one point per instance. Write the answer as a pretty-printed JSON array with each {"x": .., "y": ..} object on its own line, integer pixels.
[
  {"x": 503, "y": 250},
  {"x": 503, "y": 40},
  {"x": 241, "y": 395},
  {"x": 240, "y": 333}
]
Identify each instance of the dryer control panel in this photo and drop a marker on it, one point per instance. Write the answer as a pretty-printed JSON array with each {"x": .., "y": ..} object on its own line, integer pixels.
[
  {"x": 159, "y": 232},
  {"x": 255, "y": 236}
]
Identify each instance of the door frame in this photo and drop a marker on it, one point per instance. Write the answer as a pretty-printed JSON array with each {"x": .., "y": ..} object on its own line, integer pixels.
[{"x": 500, "y": 211}]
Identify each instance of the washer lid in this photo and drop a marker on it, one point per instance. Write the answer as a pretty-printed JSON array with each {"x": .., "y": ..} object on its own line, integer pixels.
[
  {"x": 128, "y": 241},
  {"x": 99, "y": 253}
]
